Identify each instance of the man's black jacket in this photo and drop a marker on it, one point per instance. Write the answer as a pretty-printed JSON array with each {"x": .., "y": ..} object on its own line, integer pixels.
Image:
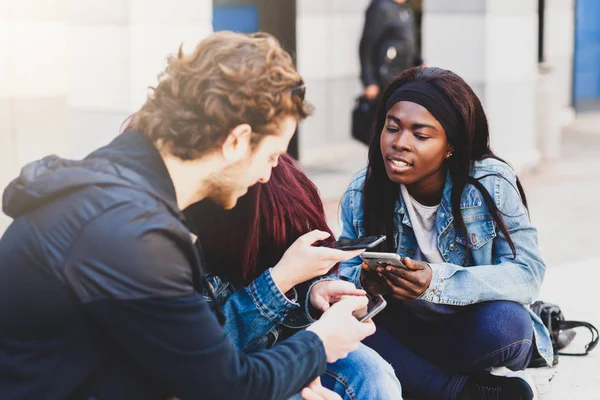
[{"x": 97, "y": 292}]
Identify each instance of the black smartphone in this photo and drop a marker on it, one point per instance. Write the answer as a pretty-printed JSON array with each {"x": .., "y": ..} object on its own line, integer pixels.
[
  {"x": 366, "y": 242},
  {"x": 374, "y": 307}
]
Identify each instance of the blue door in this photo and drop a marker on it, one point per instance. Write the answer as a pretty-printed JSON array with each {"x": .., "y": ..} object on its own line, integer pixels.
[
  {"x": 229, "y": 16},
  {"x": 586, "y": 87}
]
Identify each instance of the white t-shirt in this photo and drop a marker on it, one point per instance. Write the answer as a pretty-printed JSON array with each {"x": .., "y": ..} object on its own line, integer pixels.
[
  {"x": 422, "y": 219},
  {"x": 423, "y": 223}
]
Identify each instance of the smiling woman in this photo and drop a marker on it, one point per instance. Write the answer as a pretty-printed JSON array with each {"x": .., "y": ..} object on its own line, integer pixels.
[{"x": 443, "y": 198}]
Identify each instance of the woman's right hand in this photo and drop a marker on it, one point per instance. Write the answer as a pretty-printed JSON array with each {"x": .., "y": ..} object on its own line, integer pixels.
[{"x": 303, "y": 261}]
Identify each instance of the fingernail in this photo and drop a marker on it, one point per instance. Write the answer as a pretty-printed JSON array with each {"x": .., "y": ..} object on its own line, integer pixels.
[{"x": 389, "y": 268}]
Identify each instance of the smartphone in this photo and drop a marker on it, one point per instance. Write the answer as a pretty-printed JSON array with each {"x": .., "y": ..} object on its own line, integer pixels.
[
  {"x": 366, "y": 242},
  {"x": 374, "y": 307},
  {"x": 374, "y": 259}
]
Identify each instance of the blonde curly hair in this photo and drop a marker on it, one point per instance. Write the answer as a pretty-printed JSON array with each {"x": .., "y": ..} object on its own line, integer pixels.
[{"x": 229, "y": 79}]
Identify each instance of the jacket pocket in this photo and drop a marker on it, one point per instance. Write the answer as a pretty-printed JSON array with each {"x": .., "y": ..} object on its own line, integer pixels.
[{"x": 480, "y": 230}]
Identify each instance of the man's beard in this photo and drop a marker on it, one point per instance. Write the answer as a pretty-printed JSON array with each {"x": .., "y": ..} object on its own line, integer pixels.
[{"x": 225, "y": 188}]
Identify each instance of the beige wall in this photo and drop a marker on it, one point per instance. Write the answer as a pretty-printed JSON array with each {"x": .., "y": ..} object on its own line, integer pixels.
[
  {"x": 559, "y": 47},
  {"x": 328, "y": 34},
  {"x": 492, "y": 44},
  {"x": 72, "y": 70}
]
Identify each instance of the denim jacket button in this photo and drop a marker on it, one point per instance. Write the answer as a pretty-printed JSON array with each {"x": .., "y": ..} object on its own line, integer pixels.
[{"x": 451, "y": 247}]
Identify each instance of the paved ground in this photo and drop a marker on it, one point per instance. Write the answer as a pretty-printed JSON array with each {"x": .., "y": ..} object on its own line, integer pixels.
[{"x": 564, "y": 205}]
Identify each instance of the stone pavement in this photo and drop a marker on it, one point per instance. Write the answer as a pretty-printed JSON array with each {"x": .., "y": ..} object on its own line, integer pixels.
[{"x": 564, "y": 206}]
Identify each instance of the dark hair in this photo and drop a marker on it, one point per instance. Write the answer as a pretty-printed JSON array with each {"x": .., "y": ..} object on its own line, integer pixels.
[
  {"x": 229, "y": 79},
  {"x": 240, "y": 244},
  {"x": 472, "y": 143}
]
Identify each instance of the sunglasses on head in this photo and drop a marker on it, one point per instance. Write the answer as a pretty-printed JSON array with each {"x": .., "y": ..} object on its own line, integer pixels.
[{"x": 299, "y": 91}]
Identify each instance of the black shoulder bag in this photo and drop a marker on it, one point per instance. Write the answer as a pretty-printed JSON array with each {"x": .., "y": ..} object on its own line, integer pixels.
[
  {"x": 561, "y": 331},
  {"x": 363, "y": 115}
]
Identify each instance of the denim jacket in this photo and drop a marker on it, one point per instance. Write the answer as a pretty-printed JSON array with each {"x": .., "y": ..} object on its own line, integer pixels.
[
  {"x": 258, "y": 315},
  {"x": 491, "y": 272}
]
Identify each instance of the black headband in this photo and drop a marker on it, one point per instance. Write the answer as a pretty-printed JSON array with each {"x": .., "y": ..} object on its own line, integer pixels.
[{"x": 436, "y": 102}]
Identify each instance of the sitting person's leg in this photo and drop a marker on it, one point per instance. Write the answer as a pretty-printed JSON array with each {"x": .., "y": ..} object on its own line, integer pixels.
[
  {"x": 435, "y": 360},
  {"x": 418, "y": 376},
  {"x": 364, "y": 374},
  {"x": 480, "y": 337}
]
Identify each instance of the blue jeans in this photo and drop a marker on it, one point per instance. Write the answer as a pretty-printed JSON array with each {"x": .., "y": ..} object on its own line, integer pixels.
[
  {"x": 363, "y": 375},
  {"x": 433, "y": 359}
]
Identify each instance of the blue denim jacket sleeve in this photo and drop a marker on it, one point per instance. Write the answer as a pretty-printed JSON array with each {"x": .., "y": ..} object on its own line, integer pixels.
[
  {"x": 253, "y": 311},
  {"x": 504, "y": 276},
  {"x": 350, "y": 270}
]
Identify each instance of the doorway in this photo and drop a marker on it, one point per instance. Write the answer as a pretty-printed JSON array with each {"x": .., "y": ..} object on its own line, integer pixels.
[
  {"x": 586, "y": 85},
  {"x": 277, "y": 17}
]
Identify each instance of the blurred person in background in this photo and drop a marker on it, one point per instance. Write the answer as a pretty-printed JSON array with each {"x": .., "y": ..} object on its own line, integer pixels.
[
  {"x": 388, "y": 44},
  {"x": 264, "y": 305},
  {"x": 458, "y": 323},
  {"x": 101, "y": 281}
]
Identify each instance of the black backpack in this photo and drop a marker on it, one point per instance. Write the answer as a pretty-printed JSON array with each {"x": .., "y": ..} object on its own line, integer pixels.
[{"x": 561, "y": 331}]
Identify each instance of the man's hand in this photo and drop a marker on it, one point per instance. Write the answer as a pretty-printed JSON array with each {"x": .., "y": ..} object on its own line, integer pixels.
[
  {"x": 303, "y": 261},
  {"x": 339, "y": 330},
  {"x": 316, "y": 391},
  {"x": 325, "y": 293},
  {"x": 371, "y": 92},
  {"x": 407, "y": 284}
]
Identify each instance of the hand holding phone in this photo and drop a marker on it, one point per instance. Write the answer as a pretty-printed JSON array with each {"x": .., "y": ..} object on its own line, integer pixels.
[
  {"x": 303, "y": 261},
  {"x": 409, "y": 283},
  {"x": 339, "y": 330},
  {"x": 374, "y": 259},
  {"x": 366, "y": 242},
  {"x": 375, "y": 306}
]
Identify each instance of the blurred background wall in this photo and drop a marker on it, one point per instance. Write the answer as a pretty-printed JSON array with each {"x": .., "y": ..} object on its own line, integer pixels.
[{"x": 72, "y": 70}]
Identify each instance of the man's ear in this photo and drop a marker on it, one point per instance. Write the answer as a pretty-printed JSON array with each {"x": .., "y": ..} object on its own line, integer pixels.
[{"x": 237, "y": 143}]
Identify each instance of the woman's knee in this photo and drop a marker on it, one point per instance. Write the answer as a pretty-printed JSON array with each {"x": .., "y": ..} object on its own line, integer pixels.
[
  {"x": 506, "y": 321},
  {"x": 507, "y": 330}
]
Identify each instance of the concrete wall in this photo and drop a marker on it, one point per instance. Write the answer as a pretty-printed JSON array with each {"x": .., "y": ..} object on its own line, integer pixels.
[
  {"x": 72, "y": 70},
  {"x": 492, "y": 44},
  {"x": 118, "y": 48},
  {"x": 559, "y": 46},
  {"x": 33, "y": 83},
  {"x": 328, "y": 34}
]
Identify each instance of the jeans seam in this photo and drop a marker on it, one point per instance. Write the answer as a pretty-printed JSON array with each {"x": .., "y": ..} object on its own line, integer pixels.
[
  {"x": 347, "y": 389},
  {"x": 523, "y": 341},
  {"x": 458, "y": 383}
]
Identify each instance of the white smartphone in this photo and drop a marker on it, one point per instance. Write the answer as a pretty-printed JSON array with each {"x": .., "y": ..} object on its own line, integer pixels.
[{"x": 374, "y": 259}]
